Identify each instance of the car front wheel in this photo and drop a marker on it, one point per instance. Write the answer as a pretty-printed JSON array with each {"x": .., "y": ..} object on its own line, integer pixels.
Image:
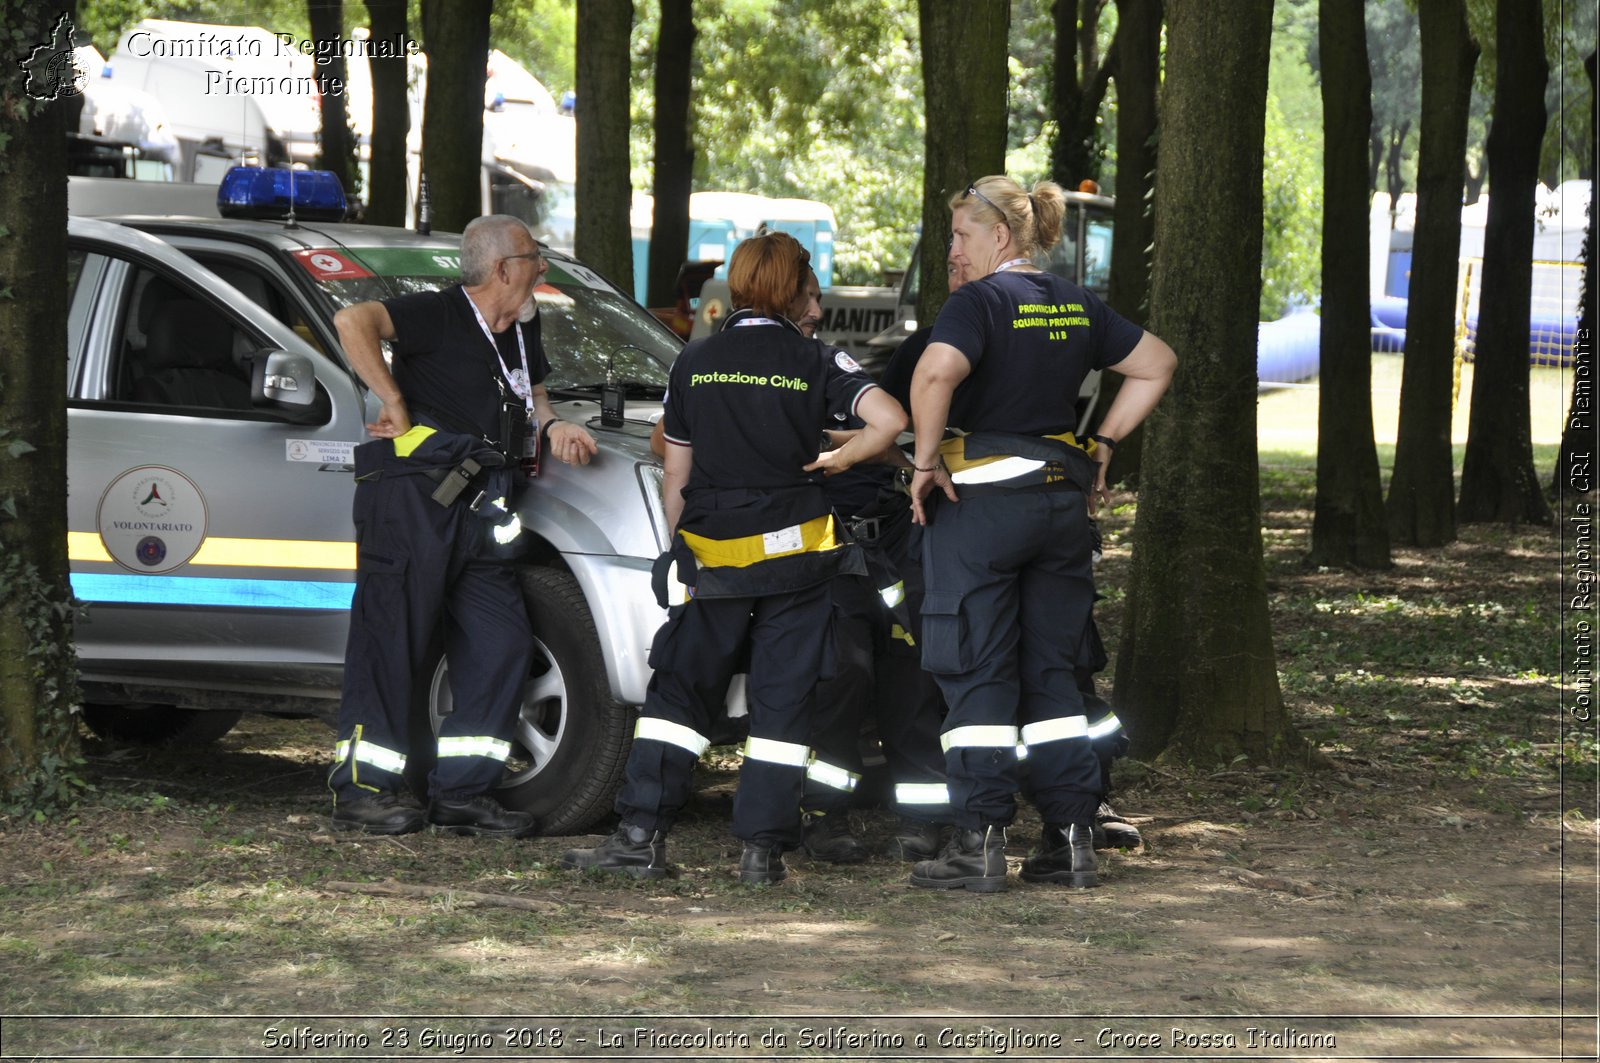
[{"x": 571, "y": 738}]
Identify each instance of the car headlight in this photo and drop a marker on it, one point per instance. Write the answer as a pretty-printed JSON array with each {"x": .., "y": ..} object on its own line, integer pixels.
[{"x": 652, "y": 482}]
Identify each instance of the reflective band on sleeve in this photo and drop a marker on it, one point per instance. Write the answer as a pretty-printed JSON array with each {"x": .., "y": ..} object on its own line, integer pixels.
[
  {"x": 894, "y": 595},
  {"x": 1101, "y": 728},
  {"x": 975, "y": 736},
  {"x": 462, "y": 746},
  {"x": 379, "y": 757},
  {"x": 1042, "y": 731},
  {"x": 921, "y": 793},
  {"x": 774, "y": 752},
  {"x": 673, "y": 734},
  {"x": 820, "y": 771}
]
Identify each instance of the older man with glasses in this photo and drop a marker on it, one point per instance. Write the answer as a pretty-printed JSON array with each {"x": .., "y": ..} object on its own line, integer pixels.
[{"x": 463, "y": 415}]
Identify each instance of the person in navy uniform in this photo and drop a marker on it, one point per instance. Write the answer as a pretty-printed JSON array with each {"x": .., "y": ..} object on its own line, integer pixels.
[
  {"x": 1006, "y": 544},
  {"x": 756, "y": 547},
  {"x": 457, "y": 409}
]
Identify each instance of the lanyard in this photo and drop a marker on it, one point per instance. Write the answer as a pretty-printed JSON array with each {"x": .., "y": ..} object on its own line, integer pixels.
[
  {"x": 517, "y": 378},
  {"x": 1002, "y": 267}
]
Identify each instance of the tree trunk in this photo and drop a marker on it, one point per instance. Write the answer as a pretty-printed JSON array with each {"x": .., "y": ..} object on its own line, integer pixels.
[
  {"x": 674, "y": 169},
  {"x": 1196, "y": 673},
  {"x": 964, "y": 78},
  {"x": 338, "y": 149},
  {"x": 1349, "y": 526},
  {"x": 1498, "y": 482},
  {"x": 38, "y": 685},
  {"x": 391, "y": 118},
  {"x": 604, "y": 237},
  {"x": 1578, "y": 437},
  {"x": 1079, "y": 90},
  {"x": 456, "y": 36},
  {"x": 1138, "y": 77},
  {"x": 1421, "y": 503}
]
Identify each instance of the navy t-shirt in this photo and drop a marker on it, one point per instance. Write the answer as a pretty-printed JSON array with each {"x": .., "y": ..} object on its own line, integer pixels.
[
  {"x": 445, "y": 367},
  {"x": 752, "y": 400},
  {"x": 1031, "y": 339}
]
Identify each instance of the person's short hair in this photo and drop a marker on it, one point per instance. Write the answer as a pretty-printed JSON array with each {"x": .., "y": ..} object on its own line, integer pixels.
[
  {"x": 767, "y": 272},
  {"x": 1034, "y": 218},
  {"x": 485, "y": 241}
]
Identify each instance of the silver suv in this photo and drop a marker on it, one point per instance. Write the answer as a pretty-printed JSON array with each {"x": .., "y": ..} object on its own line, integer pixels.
[{"x": 213, "y": 417}]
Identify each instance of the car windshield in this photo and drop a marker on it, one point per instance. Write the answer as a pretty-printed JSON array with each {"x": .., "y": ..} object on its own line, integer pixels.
[{"x": 585, "y": 320}]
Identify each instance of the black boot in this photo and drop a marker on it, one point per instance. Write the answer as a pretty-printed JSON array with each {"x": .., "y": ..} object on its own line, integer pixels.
[
  {"x": 827, "y": 836},
  {"x": 915, "y": 839},
  {"x": 974, "y": 860},
  {"x": 631, "y": 851},
  {"x": 762, "y": 865},
  {"x": 481, "y": 815},
  {"x": 384, "y": 813},
  {"x": 1111, "y": 831},
  {"x": 1065, "y": 857}
]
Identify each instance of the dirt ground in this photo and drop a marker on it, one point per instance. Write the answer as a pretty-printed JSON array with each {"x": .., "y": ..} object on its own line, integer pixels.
[{"x": 1432, "y": 895}]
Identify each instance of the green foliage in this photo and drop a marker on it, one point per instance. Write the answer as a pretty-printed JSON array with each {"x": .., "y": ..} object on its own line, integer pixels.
[
  {"x": 542, "y": 35},
  {"x": 1291, "y": 249},
  {"x": 48, "y": 780},
  {"x": 106, "y": 20}
]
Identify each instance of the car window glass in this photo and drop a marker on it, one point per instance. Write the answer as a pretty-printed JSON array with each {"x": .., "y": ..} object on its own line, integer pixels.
[
  {"x": 75, "y": 259},
  {"x": 177, "y": 350},
  {"x": 264, "y": 292}
]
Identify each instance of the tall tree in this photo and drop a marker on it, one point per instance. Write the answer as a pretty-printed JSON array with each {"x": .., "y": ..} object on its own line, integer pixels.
[
  {"x": 1138, "y": 76},
  {"x": 391, "y": 117},
  {"x": 456, "y": 36},
  {"x": 1498, "y": 482},
  {"x": 1421, "y": 505},
  {"x": 38, "y": 687},
  {"x": 1396, "y": 67},
  {"x": 673, "y": 178},
  {"x": 337, "y": 151},
  {"x": 1348, "y": 527},
  {"x": 604, "y": 237},
  {"x": 964, "y": 51},
  {"x": 1080, "y": 83},
  {"x": 1578, "y": 436},
  {"x": 1196, "y": 671}
]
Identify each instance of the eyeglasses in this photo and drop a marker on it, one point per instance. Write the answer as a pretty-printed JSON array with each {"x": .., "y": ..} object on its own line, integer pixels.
[
  {"x": 972, "y": 190},
  {"x": 531, "y": 254}
]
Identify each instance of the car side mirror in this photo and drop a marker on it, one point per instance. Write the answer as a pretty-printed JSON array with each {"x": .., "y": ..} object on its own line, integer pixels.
[{"x": 278, "y": 377}]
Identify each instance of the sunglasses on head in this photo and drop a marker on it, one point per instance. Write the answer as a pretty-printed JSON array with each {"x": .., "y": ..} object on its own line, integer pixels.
[{"x": 972, "y": 190}]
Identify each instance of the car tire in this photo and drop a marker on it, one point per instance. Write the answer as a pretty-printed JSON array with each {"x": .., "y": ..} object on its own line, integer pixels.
[
  {"x": 572, "y": 737},
  {"x": 152, "y": 725}
]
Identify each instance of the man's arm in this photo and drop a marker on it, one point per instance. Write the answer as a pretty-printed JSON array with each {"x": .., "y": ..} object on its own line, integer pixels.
[
  {"x": 677, "y": 463},
  {"x": 362, "y": 329},
  {"x": 569, "y": 440},
  {"x": 940, "y": 369}
]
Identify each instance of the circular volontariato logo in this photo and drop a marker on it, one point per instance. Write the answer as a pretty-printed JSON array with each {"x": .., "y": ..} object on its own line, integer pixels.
[{"x": 152, "y": 519}]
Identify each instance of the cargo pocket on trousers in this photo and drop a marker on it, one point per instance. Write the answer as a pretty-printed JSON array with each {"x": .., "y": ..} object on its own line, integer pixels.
[
  {"x": 661, "y": 646},
  {"x": 944, "y": 634}
]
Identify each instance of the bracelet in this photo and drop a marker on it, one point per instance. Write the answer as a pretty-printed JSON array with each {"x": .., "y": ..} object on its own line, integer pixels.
[
  {"x": 544, "y": 429},
  {"x": 1105, "y": 441},
  {"x": 938, "y": 464}
]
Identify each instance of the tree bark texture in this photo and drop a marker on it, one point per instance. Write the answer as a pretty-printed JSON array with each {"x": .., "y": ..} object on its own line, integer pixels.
[
  {"x": 38, "y": 691},
  {"x": 456, "y": 37},
  {"x": 337, "y": 151},
  {"x": 1079, "y": 90},
  {"x": 673, "y": 180},
  {"x": 964, "y": 79},
  {"x": 1421, "y": 503},
  {"x": 604, "y": 237},
  {"x": 391, "y": 119},
  {"x": 1196, "y": 673},
  {"x": 1138, "y": 76},
  {"x": 1349, "y": 527},
  {"x": 1578, "y": 440},
  {"x": 1498, "y": 481}
]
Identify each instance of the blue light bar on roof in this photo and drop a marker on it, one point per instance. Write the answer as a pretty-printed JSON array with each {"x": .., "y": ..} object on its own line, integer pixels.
[{"x": 257, "y": 192}]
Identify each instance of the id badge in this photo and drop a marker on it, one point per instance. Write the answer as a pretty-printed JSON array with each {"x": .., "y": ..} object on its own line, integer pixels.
[{"x": 530, "y": 449}]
